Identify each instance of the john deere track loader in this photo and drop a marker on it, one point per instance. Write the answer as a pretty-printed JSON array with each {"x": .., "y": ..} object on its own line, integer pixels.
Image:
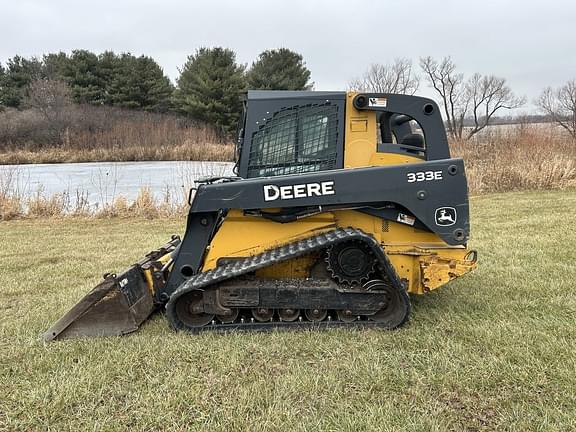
[{"x": 343, "y": 204}]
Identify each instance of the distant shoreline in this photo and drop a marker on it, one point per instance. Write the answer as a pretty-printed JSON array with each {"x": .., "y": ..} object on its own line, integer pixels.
[{"x": 206, "y": 152}]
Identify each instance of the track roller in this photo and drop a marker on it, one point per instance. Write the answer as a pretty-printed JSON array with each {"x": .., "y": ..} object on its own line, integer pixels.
[{"x": 316, "y": 315}]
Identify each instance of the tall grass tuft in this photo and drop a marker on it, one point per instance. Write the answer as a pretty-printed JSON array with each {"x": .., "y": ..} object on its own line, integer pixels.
[
  {"x": 518, "y": 157},
  {"x": 11, "y": 195},
  {"x": 10, "y": 207}
]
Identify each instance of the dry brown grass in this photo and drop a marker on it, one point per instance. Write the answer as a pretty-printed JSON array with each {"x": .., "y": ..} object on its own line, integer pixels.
[
  {"x": 519, "y": 157},
  {"x": 185, "y": 151},
  {"x": 39, "y": 206},
  {"x": 108, "y": 134},
  {"x": 10, "y": 208},
  {"x": 146, "y": 205},
  {"x": 10, "y": 196}
]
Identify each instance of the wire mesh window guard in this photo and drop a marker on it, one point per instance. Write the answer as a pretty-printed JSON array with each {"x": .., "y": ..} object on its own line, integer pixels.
[{"x": 295, "y": 140}]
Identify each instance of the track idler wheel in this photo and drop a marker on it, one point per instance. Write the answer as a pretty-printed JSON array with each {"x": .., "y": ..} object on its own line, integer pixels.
[
  {"x": 189, "y": 310},
  {"x": 395, "y": 310}
]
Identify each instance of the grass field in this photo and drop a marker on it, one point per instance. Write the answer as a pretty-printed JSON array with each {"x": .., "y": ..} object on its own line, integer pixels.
[{"x": 495, "y": 350}]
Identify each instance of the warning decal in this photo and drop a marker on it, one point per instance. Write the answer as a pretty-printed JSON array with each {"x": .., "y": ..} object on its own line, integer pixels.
[{"x": 377, "y": 102}]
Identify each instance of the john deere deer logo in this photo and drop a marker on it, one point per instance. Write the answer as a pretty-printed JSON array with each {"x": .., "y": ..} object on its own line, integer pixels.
[{"x": 445, "y": 216}]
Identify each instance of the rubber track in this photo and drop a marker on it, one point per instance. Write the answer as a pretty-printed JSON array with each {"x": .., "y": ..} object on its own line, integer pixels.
[{"x": 282, "y": 253}]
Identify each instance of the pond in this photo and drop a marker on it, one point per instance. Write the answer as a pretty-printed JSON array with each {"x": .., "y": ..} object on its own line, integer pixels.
[{"x": 101, "y": 182}]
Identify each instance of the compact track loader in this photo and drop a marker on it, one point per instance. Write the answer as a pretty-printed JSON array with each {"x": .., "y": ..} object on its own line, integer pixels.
[{"x": 343, "y": 204}]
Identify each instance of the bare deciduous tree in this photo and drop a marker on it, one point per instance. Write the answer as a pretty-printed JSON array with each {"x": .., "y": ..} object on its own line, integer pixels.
[
  {"x": 480, "y": 96},
  {"x": 450, "y": 86},
  {"x": 52, "y": 99},
  {"x": 397, "y": 77},
  {"x": 487, "y": 95},
  {"x": 560, "y": 106}
]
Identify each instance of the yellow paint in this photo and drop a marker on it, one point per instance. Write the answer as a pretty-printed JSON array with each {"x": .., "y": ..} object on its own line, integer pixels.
[
  {"x": 298, "y": 268},
  {"x": 421, "y": 258},
  {"x": 241, "y": 236},
  {"x": 361, "y": 140},
  {"x": 439, "y": 270},
  {"x": 148, "y": 272},
  {"x": 149, "y": 281},
  {"x": 358, "y": 125}
]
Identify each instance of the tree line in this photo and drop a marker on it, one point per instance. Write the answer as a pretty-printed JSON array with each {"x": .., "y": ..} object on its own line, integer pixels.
[
  {"x": 208, "y": 88},
  {"x": 211, "y": 81}
]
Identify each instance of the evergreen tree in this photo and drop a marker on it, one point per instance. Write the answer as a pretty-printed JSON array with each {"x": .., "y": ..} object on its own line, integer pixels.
[
  {"x": 109, "y": 65},
  {"x": 19, "y": 73},
  {"x": 138, "y": 82},
  {"x": 210, "y": 86},
  {"x": 279, "y": 69},
  {"x": 86, "y": 80},
  {"x": 119, "y": 80},
  {"x": 54, "y": 65},
  {"x": 155, "y": 88},
  {"x": 117, "y": 69}
]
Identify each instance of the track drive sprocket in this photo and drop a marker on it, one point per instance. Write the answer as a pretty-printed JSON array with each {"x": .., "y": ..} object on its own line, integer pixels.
[{"x": 351, "y": 262}]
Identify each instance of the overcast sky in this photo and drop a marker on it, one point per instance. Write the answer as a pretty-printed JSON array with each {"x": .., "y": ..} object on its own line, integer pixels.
[{"x": 530, "y": 43}]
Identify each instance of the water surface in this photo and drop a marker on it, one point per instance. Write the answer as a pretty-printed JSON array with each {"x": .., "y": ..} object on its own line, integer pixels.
[{"x": 101, "y": 182}]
